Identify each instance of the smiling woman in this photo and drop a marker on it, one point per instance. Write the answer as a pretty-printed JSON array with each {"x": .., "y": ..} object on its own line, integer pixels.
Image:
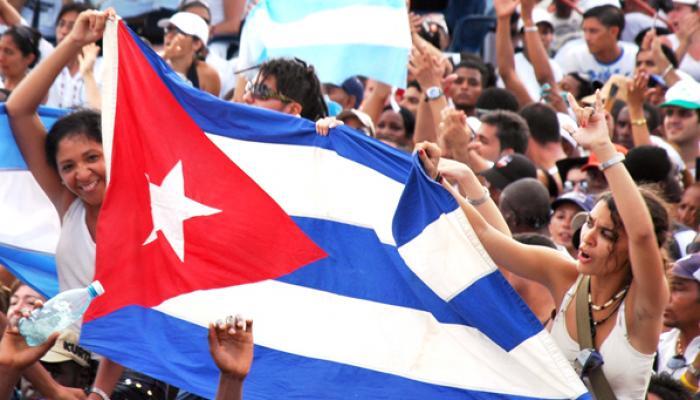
[{"x": 67, "y": 163}]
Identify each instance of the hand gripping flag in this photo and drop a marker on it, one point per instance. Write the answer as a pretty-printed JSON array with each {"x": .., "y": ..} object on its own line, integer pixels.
[
  {"x": 216, "y": 208},
  {"x": 30, "y": 225}
]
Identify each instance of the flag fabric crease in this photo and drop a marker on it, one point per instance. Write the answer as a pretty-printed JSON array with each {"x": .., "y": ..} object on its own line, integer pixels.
[{"x": 363, "y": 277}]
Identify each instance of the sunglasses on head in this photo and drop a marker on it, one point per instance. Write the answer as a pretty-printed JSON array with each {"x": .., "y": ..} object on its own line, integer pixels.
[{"x": 260, "y": 91}]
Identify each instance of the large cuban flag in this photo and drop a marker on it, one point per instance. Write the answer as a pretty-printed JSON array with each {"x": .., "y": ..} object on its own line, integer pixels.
[
  {"x": 341, "y": 38},
  {"x": 363, "y": 277},
  {"x": 29, "y": 224}
]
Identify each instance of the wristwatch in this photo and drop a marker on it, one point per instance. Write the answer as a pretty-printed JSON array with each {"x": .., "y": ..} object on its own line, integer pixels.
[{"x": 433, "y": 93}]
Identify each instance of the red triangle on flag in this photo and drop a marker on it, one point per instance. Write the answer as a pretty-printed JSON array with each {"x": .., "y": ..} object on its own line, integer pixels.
[{"x": 241, "y": 235}]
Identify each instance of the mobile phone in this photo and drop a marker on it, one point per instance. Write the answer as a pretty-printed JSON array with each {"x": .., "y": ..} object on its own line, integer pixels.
[{"x": 656, "y": 80}]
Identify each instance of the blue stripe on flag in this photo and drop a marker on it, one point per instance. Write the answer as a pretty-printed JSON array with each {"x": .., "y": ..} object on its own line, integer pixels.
[
  {"x": 36, "y": 269},
  {"x": 10, "y": 157},
  {"x": 294, "y": 377},
  {"x": 284, "y": 11},
  {"x": 240, "y": 121},
  {"x": 336, "y": 62},
  {"x": 384, "y": 275},
  {"x": 420, "y": 206},
  {"x": 502, "y": 315}
]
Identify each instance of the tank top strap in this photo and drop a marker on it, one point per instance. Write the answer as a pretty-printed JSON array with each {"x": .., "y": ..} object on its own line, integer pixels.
[{"x": 569, "y": 295}]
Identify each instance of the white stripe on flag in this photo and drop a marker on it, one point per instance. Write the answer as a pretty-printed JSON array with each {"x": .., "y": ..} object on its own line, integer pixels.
[
  {"x": 317, "y": 183},
  {"x": 110, "y": 77},
  {"x": 442, "y": 257},
  {"x": 29, "y": 220},
  {"x": 381, "y": 337},
  {"x": 360, "y": 24}
]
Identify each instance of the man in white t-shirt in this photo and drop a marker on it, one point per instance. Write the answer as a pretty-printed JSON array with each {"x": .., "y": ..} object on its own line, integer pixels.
[
  {"x": 600, "y": 55},
  {"x": 681, "y": 344}
]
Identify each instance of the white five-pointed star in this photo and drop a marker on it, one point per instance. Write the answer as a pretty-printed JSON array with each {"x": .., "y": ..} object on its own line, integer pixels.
[{"x": 170, "y": 208}]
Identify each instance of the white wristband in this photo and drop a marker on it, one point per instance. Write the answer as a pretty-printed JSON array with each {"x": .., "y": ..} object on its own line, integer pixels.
[
  {"x": 99, "y": 392},
  {"x": 616, "y": 159}
]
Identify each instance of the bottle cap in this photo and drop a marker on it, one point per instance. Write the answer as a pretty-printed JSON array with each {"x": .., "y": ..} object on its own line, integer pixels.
[{"x": 96, "y": 289}]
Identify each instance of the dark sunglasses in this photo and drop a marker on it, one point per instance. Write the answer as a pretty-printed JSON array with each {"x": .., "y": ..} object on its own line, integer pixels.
[
  {"x": 570, "y": 185},
  {"x": 261, "y": 92}
]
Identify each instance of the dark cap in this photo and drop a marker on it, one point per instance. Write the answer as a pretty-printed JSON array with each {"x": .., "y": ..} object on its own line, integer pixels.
[
  {"x": 353, "y": 87},
  {"x": 509, "y": 169},
  {"x": 687, "y": 267},
  {"x": 648, "y": 164},
  {"x": 583, "y": 201},
  {"x": 566, "y": 164}
]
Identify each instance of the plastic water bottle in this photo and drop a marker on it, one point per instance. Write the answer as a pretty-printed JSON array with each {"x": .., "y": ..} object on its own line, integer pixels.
[{"x": 58, "y": 313}]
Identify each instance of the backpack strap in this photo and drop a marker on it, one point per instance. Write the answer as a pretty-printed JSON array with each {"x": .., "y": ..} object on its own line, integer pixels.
[{"x": 598, "y": 384}]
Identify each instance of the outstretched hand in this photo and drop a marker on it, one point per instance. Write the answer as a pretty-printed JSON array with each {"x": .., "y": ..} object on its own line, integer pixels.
[
  {"x": 593, "y": 129},
  {"x": 636, "y": 89},
  {"x": 87, "y": 58},
  {"x": 653, "y": 43},
  {"x": 425, "y": 66},
  {"x": 231, "y": 346}
]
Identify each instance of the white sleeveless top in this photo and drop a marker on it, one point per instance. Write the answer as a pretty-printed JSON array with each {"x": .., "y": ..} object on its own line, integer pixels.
[
  {"x": 75, "y": 252},
  {"x": 627, "y": 370}
]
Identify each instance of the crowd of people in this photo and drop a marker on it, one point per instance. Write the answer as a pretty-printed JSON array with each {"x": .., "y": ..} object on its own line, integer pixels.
[{"x": 571, "y": 143}]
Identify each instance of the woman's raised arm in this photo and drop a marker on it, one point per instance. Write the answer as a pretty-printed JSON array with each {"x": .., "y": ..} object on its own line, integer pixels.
[
  {"x": 24, "y": 101},
  {"x": 551, "y": 268},
  {"x": 649, "y": 287}
]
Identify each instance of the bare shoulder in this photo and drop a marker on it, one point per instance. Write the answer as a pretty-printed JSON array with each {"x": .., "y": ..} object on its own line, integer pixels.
[{"x": 207, "y": 71}]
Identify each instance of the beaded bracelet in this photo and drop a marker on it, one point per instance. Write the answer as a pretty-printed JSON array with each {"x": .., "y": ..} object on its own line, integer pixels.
[{"x": 481, "y": 200}]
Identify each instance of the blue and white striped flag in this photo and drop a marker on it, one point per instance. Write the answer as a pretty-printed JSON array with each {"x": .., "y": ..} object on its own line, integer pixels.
[
  {"x": 341, "y": 38},
  {"x": 29, "y": 224}
]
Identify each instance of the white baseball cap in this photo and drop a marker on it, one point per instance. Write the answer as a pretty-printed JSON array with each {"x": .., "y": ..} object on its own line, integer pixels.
[
  {"x": 685, "y": 94},
  {"x": 688, "y": 2},
  {"x": 538, "y": 15},
  {"x": 588, "y": 4},
  {"x": 189, "y": 23}
]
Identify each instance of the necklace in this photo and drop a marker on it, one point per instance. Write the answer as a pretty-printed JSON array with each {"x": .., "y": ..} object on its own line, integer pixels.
[
  {"x": 608, "y": 303},
  {"x": 591, "y": 307}
]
